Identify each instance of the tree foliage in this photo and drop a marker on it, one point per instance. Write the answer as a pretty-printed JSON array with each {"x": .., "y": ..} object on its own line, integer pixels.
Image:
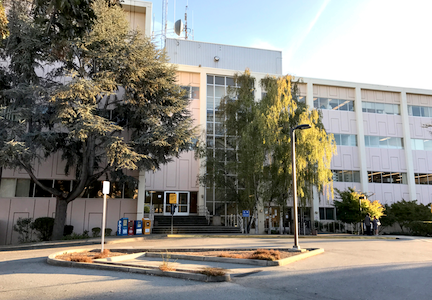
[
  {"x": 258, "y": 165},
  {"x": 404, "y": 213},
  {"x": 109, "y": 103},
  {"x": 351, "y": 209}
]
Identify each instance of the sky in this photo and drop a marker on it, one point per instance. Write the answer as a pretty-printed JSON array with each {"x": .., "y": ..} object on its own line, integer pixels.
[{"x": 385, "y": 42}]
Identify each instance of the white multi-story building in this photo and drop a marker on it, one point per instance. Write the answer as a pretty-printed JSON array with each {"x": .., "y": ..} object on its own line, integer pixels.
[{"x": 383, "y": 148}]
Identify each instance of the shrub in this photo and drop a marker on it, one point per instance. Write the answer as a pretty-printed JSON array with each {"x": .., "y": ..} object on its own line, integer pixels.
[
  {"x": 23, "y": 227},
  {"x": 421, "y": 228},
  {"x": 265, "y": 254},
  {"x": 68, "y": 229},
  {"x": 108, "y": 231},
  {"x": 213, "y": 271},
  {"x": 44, "y": 227},
  {"x": 96, "y": 231}
]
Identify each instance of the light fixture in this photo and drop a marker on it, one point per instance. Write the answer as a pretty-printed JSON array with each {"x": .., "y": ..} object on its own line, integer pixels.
[{"x": 216, "y": 58}]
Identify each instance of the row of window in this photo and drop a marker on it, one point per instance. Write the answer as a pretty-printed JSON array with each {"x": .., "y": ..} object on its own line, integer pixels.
[
  {"x": 381, "y": 108},
  {"x": 419, "y": 111},
  {"x": 12, "y": 187},
  {"x": 346, "y": 176},
  {"x": 387, "y": 177},
  {"x": 327, "y": 213},
  {"x": 345, "y": 139},
  {"x": 421, "y": 178},
  {"x": 383, "y": 142},
  {"x": 334, "y": 104},
  {"x": 418, "y": 144}
]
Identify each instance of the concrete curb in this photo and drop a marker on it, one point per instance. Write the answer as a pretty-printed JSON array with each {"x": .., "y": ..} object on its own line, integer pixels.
[
  {"x": 184, "y": 274},
  {"x": 257, "y": 262},
  {"x": 274, "y": 236}
]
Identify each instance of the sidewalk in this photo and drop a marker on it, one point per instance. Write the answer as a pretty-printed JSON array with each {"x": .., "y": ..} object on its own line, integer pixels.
[{"x": 109, "y": 240}]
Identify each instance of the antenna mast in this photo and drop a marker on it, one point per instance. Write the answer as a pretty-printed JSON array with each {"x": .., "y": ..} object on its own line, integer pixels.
[
  {"x": 164, "y": 22},
  {"x": 186, "y": 33}
]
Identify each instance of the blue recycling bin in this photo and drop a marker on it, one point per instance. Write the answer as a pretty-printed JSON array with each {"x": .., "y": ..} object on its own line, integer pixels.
[
  {"x": 122, "y": 226},
  {"x": 138, "y": 227}
]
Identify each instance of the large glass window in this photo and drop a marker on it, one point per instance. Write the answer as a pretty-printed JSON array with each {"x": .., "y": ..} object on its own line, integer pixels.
[
  {"x": 334, "y": 104},
  {"x": 419, "y": 111},
  {"x": 345, "y": 139},
  {"x": 381, "y": 108},
  {"x": 383, "y": 142},
  {"x": 346, "y": 176},
  {"x": 418, "y": 144},
  {"x": 387, "y": 177}
]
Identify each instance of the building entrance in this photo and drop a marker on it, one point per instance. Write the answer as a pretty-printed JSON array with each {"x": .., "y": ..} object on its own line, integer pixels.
[{"x": 182, "y": 203}]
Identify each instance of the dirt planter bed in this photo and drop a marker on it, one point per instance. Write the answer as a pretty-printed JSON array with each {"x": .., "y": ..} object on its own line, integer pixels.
[{"x": 115, "y": 262}]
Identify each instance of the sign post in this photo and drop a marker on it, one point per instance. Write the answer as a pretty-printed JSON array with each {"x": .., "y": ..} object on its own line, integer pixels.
[
  {"x": 105, "y": 192},
  {"x": 173, "y": 202}
]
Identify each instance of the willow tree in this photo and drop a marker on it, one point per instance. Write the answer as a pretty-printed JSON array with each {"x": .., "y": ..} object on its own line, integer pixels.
[
  {"x": 260, "y": 132},
  {"x": 110, "y": 103},
  {"x": 281, "y": 111}
]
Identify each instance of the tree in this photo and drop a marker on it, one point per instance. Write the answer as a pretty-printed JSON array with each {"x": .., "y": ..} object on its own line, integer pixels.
[
  {"x": 406, "y": 212},
  {"x": 351, "y": 209},
  {"x": 260, "y": 135},
  {"x": 110, "y": 104}
]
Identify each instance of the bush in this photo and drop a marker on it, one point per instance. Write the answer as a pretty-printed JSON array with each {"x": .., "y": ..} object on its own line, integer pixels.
[
  {"x": 23, "y": 227},
  {"x": 96, "y": 231},
  {"x": 421, "y": 228},
  {"x": 44, "y": 227},
  {"x": 68, "y": 229},
  {"x": 108, "y": 231}
]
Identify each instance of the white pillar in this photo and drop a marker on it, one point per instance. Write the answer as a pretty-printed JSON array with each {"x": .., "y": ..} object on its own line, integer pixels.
[
  {"x": 141, "y": 195},
  {"x": 407, "y": 147},
  {"x": 361, "y": 141}
]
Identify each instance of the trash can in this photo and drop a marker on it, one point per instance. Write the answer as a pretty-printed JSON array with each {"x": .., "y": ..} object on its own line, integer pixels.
[
  {"x": 122, "y": 226},
  {"x": 138, "y": 227},
  {"x": 146, "y": 225}
]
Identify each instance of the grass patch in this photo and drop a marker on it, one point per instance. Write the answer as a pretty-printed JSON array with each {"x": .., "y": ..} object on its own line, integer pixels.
[
  {"x": 213, "y": 271},
  {"x": 262, "y": 254}
]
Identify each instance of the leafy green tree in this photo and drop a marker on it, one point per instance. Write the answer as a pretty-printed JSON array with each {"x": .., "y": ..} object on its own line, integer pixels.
[
  {"x": 351, "y": 209},
  {"x": 111, "y": 104},
  {"x": 406, "y": 212},
  {"x": 281, "y": 111},
  {"x": 260, "y": 133}
]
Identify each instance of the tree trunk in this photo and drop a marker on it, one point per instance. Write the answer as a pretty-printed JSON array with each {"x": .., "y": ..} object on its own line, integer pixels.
[{"x": 60, "y": 219}]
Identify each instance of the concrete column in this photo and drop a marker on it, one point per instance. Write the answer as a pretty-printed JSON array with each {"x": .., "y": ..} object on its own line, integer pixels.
[
  {"x": 141, "y": 195},
  {"x": 203, "y": 128},
  {"x": 361, "y": 141},
  {"x": 407, "y": 147}
]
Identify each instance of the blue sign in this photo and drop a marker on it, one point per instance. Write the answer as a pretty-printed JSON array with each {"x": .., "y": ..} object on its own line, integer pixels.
[{"x": 246, "y": 213}]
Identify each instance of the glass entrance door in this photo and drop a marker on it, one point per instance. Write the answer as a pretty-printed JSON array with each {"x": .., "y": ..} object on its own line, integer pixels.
[{"x": 182, "y": 203}]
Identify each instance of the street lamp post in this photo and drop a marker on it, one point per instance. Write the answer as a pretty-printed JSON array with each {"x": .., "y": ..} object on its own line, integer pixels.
[
  {"x": 294, "y": 182},
  {"x": 360, "y": 210}
]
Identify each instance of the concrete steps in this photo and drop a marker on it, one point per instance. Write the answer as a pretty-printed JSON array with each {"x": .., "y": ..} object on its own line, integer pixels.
[{"x": 189, "y": 225}]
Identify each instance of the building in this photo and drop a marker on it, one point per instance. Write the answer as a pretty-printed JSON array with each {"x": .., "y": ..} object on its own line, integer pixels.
[{"x": 383, "y": 148}]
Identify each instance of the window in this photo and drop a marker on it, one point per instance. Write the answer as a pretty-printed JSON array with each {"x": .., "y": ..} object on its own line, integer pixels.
[
  {"x": 334, "y": 104},
  {"x": 422, "y": 178},
  {"x": 381, "y": 108},
  {"x": 419, "y": 111},
  {"x": 417, "y": 144},
  {"x": 345, "y": 139},
  {"x": 327, "y": 213},
  {"x": 346, "y": 176},
  {"x": 387, "y": 177},
  {"x": 383, "y": 142}
]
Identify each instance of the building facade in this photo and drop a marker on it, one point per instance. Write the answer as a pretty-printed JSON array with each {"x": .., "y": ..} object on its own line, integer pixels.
[{"x": 383, "y": 148}]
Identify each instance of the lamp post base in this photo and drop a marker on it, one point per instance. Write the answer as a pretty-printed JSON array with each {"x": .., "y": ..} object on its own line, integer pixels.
[{"x": 296, "y": 249}]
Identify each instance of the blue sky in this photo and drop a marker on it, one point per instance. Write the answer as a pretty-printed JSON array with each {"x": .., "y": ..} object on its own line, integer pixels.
[{"x": 386, "y": 42}]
